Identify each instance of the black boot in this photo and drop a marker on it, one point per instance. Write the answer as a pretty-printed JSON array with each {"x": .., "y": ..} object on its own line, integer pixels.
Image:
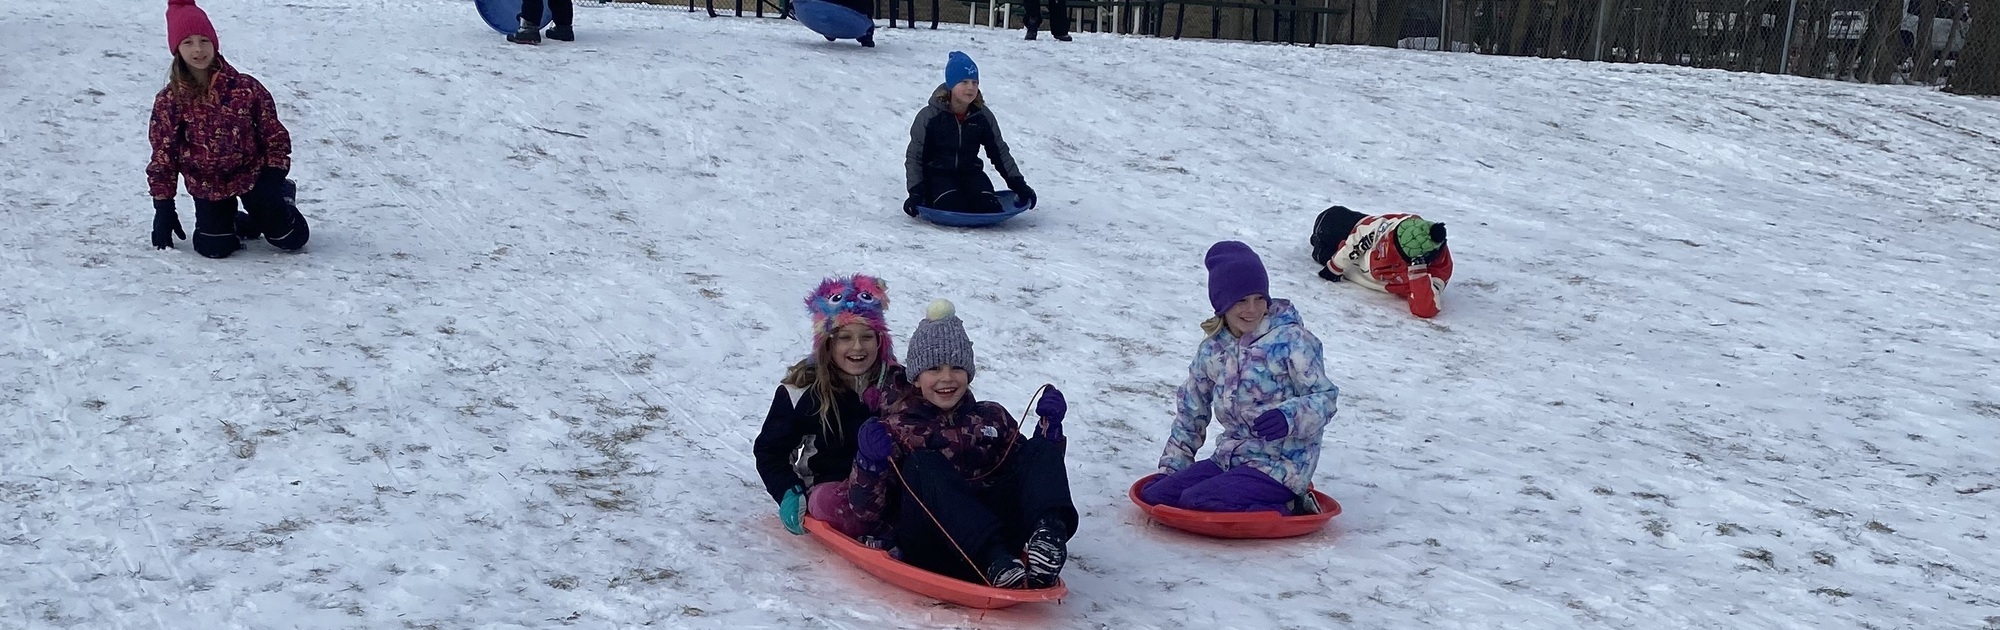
[
  {"x": 1062, "y": 37},
  {"x": 1031, "y": 34},
  {"x": 561, "y": 33},
  {"x": 868, "y": 40},
  {"x": 1047, "y": 552},
  {"x": 246, "y": 228},
  {"x": 1006, "y": 572},
  {"x": 528, "y": 34}
]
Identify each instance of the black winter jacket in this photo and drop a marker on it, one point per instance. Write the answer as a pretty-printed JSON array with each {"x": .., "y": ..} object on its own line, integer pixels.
[
  {"x": 794, "y": 416},
  {"x": 941, "y": 146}
]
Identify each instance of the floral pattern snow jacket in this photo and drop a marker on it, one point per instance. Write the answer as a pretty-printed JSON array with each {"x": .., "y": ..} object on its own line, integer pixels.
[
  {"x": 977, "y": 437},
  {"x": 1278, "y": 365},
  {"x": 220, "y": 142}
]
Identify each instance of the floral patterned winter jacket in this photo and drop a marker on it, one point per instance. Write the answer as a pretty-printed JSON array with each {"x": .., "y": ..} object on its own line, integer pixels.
[
  {"x": 1278, "y": 365},
  {"x": 220, "y": 142},
  {"x": 977, "y": 437}
]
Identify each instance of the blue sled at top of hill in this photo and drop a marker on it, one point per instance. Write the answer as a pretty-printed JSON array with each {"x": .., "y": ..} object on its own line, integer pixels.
[
  {"x": 505, "y": 15},
  {"x": 831, "y": 20},
  {"x": 1010, "y": 207}
]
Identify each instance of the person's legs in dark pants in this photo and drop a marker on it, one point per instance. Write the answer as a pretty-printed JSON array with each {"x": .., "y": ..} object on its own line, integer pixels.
[
  {"x": 971, "y": 193},
  {"x": 215, "y": 227},
  {"x": 1031, "y": 17},
  {"x": 943, "y": 524},
  {"x": 1059, "y": 19},
  {"x": 272, "y": 208},
  {"x": 1040, "y": 515},
  {"x": 562, "y": 11}
]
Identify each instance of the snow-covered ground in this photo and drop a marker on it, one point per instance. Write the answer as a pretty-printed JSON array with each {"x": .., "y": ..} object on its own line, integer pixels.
[{"x": 1720, "y": 352}]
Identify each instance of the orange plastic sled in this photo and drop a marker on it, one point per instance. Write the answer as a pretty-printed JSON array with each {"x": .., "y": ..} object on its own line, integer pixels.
[
  {"x": 878, "y": 563},
  {"x": 1236, "y": 524}
]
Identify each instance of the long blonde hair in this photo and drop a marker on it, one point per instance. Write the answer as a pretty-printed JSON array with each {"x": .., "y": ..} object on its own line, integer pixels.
[
  {"x": 1211, "y": 325},
  {"x": 819, "y": 375},
  {"x": 185, "y": 83}
]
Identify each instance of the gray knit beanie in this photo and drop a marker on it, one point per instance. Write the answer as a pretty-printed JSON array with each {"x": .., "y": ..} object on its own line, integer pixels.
[{"x": 939, "y": 340}]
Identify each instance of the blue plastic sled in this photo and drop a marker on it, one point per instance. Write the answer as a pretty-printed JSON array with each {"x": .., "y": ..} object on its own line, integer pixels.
[
  {"x": 505, "y": 15},
  {"x": 1010, "y": 206},
  {"x": 831, "y": 20}
]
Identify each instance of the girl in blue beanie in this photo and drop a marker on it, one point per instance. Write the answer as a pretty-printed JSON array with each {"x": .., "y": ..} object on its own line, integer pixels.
[{"x": 942, "y": 165}]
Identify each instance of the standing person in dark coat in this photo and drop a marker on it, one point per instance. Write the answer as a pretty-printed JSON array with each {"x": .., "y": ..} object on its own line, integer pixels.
[
  {"x": 218, "y": 129},
  {"x": 941, "y": 167},
  {"x": 1058, "y": 16},
  {"x": 807, "y": 445},
  {"x": 531, "y": 22}
]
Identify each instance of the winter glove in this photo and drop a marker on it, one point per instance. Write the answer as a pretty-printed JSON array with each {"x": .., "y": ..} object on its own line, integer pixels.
[
  {"x": 910, "y": 205},
  {"x": 166, "y": 224},
  {"x": 1051, "y": 407},
  {"x": 1022, "y": 191},
  {"x": 1271, "y": 425},
  {"x": 272, "y": 176},
  {"x": 874, "y": 446},
  {"x": 792, "y": 510}
]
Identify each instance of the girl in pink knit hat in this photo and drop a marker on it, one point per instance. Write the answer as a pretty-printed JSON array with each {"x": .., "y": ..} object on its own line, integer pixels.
[{"x": 218, "y": 129}]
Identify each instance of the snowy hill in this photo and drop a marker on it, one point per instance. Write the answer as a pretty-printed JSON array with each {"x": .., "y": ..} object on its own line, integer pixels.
[{"x": 1720, "y": 352}]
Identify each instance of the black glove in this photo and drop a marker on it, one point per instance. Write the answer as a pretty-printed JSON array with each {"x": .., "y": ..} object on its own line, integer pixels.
[
  {"x": 273, "y": 175},
  {"x": 910, "y": 205},
  {"x": 166, "y": 224},
  {"x": 1022, "y": 191}
]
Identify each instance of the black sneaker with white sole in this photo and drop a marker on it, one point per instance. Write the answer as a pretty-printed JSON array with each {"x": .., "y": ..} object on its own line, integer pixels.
[{"x": 1047, "y": 552}]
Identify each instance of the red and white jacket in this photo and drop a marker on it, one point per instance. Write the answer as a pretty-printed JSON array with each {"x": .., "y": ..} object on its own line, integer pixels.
[{"x": 1368, "y": 256}]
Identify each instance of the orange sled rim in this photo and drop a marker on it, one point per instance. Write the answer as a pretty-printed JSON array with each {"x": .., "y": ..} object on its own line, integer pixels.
[
  {"x": 878, "y": 563},
  {"x": 1236, "y": 524}
]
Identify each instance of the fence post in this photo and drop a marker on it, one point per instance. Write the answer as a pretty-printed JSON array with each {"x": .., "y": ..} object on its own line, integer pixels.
[
  {"x": 1597, "y": 49},
  {"x": 1785, "y": 55}
]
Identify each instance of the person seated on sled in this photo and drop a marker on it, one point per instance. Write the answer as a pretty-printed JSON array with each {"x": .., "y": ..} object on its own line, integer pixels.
[
  {"x": 1260, "y": 372},
  {"x": 975, "y": 495},
  {"x": 807, "y": 445},
  {"x": 1401, "y": 254},
  {"x": 941, "y": 167}
]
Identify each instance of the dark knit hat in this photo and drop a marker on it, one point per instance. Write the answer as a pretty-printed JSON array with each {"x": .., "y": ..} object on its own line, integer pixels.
[
  {"x": 1234, "y": 272},
  {"x": 940, "y": 340}
]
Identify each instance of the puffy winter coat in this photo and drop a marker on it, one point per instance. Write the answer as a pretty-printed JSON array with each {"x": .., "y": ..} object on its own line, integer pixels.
[
  {"x": 1278, "y": 365},
  {"x": 218, "y": 142},
  {"x": 942, "y": 145},
  {"x": 977, "y": 437},
  {"x": 794, "y": 420},
  {"x": 1368, "y": 256}
]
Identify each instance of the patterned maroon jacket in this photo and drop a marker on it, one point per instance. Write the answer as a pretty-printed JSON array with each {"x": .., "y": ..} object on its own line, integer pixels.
[
  {"x": 977, "y": 437},
  {"x": 218, "y": 143}
]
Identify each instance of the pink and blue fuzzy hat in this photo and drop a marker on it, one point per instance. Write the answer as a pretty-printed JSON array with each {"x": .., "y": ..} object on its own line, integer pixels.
[{"x": 856, "y": 299}]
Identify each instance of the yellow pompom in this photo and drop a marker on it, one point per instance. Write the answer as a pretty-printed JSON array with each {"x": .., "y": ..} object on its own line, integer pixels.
[{"x": 939, "y": 309}]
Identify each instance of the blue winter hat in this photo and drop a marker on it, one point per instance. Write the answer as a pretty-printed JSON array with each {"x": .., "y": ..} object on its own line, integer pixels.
[{"x": 959, "y": 68}]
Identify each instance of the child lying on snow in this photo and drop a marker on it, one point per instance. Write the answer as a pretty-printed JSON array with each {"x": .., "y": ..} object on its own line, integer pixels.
[
  {"x": 971, "y": 487},
  {"x": 1398, "y": 253},
  {"x": 1260, "y": 372}
]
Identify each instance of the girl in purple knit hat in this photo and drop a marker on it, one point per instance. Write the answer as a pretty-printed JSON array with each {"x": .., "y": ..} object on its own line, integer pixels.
[{"x": 1260, "y": 373}]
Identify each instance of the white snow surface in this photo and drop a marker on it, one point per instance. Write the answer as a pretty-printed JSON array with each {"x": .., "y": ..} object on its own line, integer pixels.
[{"x": 1720, "y": 352}]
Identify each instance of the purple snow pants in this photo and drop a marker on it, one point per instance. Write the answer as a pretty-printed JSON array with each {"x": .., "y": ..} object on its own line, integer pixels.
[{"x": 1206, "y": 487}]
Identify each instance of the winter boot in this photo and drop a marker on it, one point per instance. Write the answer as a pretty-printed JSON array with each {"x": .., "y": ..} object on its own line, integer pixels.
[
  {"x": 528, "y": 34},
  {"x": 1061, "y": 37},
  {"x": 293, "y": 234},
  {"x": 1046, "y": 554},
  {"x": 561, "y": 33},
  {"x": 868, "y": 41},
  {"x": 246, "y": 227},
  {"x": 1006, "y": 572},
  {"x": 1031, "y": 35}
]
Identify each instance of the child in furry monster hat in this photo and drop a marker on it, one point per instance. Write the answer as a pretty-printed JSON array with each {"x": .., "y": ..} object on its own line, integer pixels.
[
  {"x": 1261, "y": 374},
  {"x": 1400, "y": 254},
  {"x": 806, "y": 447}
]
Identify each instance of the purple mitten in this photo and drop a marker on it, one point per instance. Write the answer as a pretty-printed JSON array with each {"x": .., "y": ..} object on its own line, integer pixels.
[
  {"x": 873, "y": 446},
  {"x": 1271, "y": 425},
  {"x": 1051, "y": 407}
]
